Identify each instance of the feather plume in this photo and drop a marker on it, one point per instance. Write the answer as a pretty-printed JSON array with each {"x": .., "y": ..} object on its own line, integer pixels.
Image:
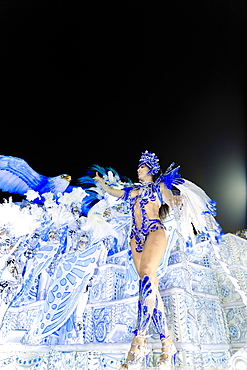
[
  {"x": 96, "y": 168},
  {"x": 171, "y": 177},
  {"x": 198, "y": 209},
  {"x": 94, "y": 190}
]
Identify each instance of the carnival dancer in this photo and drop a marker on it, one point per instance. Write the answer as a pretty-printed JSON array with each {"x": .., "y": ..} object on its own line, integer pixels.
[{"x": 148, "y": 241}]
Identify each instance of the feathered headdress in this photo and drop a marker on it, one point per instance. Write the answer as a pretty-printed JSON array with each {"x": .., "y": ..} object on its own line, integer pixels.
[{"x": 150, "y": 160}]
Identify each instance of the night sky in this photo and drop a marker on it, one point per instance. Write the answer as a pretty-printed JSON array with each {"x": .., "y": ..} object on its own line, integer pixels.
[{"x": 101, "y": 82}]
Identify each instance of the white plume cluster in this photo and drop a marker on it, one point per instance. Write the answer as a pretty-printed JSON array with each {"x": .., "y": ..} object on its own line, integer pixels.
[{"x": 19, "y": 220}]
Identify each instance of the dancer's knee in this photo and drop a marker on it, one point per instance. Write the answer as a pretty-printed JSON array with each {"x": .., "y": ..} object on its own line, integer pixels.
[{"x": 148, "y": 271}]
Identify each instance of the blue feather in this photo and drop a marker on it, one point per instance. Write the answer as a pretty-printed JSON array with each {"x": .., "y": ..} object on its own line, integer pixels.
[
  {"x": 86, "y": 182},
  {"x": 95, "y": 168},
  {"x": 170, "y": 168},
  {"x": 171, "y": 177},
  {"x": 115, "y": 174},
  {"x": 112, "y": 170},
  {"x": 89, "y": 201}
]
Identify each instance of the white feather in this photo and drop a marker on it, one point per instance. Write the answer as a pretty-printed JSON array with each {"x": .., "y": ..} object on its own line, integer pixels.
[
  {"x": 194, "y": 204},
  {"x": 97, "y": 223},
  {"x": 111, "y": 177}
]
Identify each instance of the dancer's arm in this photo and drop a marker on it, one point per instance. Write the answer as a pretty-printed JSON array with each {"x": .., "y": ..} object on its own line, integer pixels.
[
  {"x": 110, "y": 190},
  {"x": 168, "y": 196}
]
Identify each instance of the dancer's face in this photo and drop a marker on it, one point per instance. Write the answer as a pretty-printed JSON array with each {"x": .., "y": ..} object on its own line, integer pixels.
[{"x": 142, "y": 173}]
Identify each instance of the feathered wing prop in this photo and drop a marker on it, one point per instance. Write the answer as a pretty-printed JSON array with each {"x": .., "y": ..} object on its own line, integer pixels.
[
  {"x": 16, "y": 176},
  {"x": 199, "y": 210},
  {"x": 94, "y": 190}
]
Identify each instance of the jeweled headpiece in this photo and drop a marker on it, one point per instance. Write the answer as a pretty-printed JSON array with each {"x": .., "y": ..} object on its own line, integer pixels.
[{"x": 150, "y": 160}]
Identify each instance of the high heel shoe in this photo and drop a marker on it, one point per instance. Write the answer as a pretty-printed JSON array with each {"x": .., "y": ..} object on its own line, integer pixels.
[
  {"x": 136, "y": 362},
  {"x": 167, "y": 362}
]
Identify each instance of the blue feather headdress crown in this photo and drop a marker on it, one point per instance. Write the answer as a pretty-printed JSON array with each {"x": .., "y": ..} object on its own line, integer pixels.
[{"x": 150, "y": 160}]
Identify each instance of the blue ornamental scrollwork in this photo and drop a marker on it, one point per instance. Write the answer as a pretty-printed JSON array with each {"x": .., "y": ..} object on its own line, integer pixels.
[{"x": 101, "y": 331}]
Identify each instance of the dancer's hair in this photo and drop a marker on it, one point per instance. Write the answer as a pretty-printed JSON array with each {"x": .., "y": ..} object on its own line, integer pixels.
[{"x": 164, "y": 209}]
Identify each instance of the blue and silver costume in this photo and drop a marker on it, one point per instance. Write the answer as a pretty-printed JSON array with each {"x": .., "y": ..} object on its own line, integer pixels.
[
  {"x": 148, "y": 304},
  {"x": 148, "y": 192}
]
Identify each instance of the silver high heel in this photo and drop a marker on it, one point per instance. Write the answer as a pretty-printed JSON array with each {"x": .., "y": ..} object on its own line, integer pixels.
[
  {"x": 168, "y": 362},
  {"x": 138, "y": 358}
]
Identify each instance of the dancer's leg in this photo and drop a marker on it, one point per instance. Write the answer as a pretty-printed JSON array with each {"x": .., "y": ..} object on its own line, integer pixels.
[
  {"x": 146, "y": 306},
  {"x": 168, "y": 348},
  {"x": 146, "y": 264},
  {"x": 153, "y": 251}
]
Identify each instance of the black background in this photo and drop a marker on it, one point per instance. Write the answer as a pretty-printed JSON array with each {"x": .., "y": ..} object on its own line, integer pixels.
[{"x": 102, "y": 82}]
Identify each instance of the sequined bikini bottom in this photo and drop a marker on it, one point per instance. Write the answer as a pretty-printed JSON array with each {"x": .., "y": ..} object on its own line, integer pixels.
[{"x": 140, "y": 236}]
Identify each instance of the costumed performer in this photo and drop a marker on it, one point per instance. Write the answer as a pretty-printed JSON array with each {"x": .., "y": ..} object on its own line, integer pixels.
[{"x": 148, "y": 241}]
